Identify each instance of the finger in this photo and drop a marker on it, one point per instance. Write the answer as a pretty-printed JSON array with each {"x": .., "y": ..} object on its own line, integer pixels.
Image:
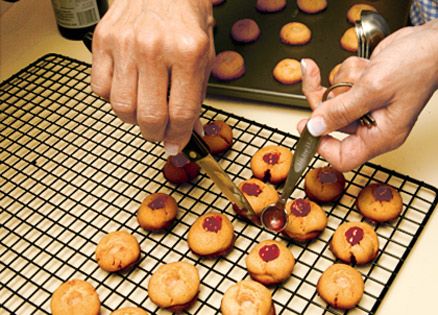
[
  {"x": 101, "y": 68},
  {"x": 349, "y": 71},
  {"x": 123, "y": 96},
  {"x": 311, "y": 84},
  {"x": 187, "y": 89},
  {"x": 152, "y": 109}
]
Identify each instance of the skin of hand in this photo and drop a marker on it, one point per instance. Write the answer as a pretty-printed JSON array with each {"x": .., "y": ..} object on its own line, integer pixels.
[
  {"x": 394, "y": 86},
  {"x": 151, "y": 61}
]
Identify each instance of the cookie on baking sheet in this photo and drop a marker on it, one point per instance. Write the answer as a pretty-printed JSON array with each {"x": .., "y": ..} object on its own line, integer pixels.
[
  {"x": 218, "y": 136},
  {"x": 324, "y": 184},
  {"x": 245, "y": 31},
  {"x": 349, "y": 40},
  {"x": 341, "y": 286},
  {"x": 270, "y": 262},
  {"x": 157, "y": 212},
  {"x": 295, "y": 33},
  {"x": 130, "y": 311},
  {"x": 117, "y": 250},
  {"x": 306, "y": 220},
  {"x": 271, "y": 163},
  {"x": 179, "y": 170},
  {"x": 229, "y": 65},
  {"x": 211, "y": 235},
  {"x": 247, "y": 297},
  {"x": 333, "y": 73},
  {"x": 174, "y": 286},
  {"x": 259, "y": 194},
  {"x": 75, "y": 297},
  {"x": 379, "y": 202},
  {"x": 353, "y": 13},
  {"x": 287, "y": 71},
  {"x": 270, "y": 6},
  {"x": 312, "y": 6},
  {"x": 355, "y": 242}
]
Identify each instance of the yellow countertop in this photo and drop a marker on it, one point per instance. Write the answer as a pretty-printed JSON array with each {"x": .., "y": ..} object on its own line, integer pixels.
[{"x": 28, "y": 31}]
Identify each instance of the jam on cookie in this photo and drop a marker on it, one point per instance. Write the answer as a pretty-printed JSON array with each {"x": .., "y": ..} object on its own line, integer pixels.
[
  {"x": 218, "y": 136},
  {"x": 324, "y": 184},
  {"x": 271, "y": 163},
  {"x": 157, "y": 212},
  {"x": 259, "y": 194},
  {"x": 179, "y": 170}
]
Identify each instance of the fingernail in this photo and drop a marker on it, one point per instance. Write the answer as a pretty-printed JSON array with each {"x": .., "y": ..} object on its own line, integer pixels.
[
  {"x": 303, "y": 66},
  {"x": 316, "y": 126},
  {"x": 171, "y": 149}
]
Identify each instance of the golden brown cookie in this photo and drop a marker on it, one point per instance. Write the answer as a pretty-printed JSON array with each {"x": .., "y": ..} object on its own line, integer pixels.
[
  {"x": 270, "y": 6},
  {"x": 247, "y": 297},
  {"x": 229, "y": 65},
  {"x": 341, "y": 286},
  {"x": 218, "y": 136},
  {"x": 333, "y": 73},
  {"x": 258, "y": 194},
  {"x": 117, "y": 250},
  {"x": 174, "y": 286},
  {"x": 355, "y": 242},
  {"x": 245, "y": 31},
  {"x": 379, "y": 202},
  {"x": 271, "y": 163},
  {"x": 353, "y": 13},
  {"x": 295, "y": 33},
  {"x": 324, "y": 184},
  {"x": 306, "y": 220},
  {"x": 75, "y": 297},
  {"x": 349, "y": 40},
  {"x": 179, "y": 170},
  {"x": 270, "y": 262},
  {"x": 312, "y": 6},
  {"x": 157, "y": 212},
  {"x": 211, "y": 235},
  {"x": 287, "y": 71},
  {"x": 130, "y": 311}
]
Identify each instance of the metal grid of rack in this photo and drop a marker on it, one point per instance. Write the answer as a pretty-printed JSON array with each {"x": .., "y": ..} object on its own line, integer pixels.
[{"x": 72, "y": 172}]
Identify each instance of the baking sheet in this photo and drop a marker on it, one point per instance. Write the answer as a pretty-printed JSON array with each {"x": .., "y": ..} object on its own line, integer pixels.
[
  {"x": 261, "y": 56},
  {"x": 72, "y": 172}
]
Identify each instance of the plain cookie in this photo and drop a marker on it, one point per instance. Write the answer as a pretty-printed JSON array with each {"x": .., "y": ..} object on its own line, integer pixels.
[
  {"x": 130, "y": 311},
  {"x": 353, "y": 13},
  {"x": 75, "y": 297},
  {"x": 295, "y": 33},
  {"x": 270, "y": 6},
  {"x": 245, "y": 31},
  {"x": 287, "y": 71},
  {"x": 312, "y": 6},
  {"x": 229, "y": 65},
  {"x": 349, "y": 40}
]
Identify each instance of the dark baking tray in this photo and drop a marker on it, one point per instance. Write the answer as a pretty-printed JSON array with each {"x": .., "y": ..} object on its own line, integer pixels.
[
  {"x": 260, "y": 57},
  {"x": 71, "y": 171}
]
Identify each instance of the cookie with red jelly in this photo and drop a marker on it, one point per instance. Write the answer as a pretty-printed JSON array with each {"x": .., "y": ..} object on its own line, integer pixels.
[
  {"x": 324, "y": 184},
  {"x": 211, "y": 235},
  {"x": 355, "y": 242},
  {"x": 379, "y": 202},
  {"x": 179, "y": 169},
  {"x": 271, "y": 163},
  {"x": 157, "y": 212},
  {"x": 218, "y": 136},
  {"x": 306, "y": 220},
  {"x": 270, "y": 262},
  {"x": 259, "y": 194}
]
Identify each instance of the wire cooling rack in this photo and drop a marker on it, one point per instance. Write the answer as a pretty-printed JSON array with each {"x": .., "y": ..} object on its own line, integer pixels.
[{"x": 71, "y": 172}]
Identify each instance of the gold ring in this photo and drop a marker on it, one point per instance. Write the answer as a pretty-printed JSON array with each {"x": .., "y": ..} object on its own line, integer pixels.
[{"x": 335, "y": 86}]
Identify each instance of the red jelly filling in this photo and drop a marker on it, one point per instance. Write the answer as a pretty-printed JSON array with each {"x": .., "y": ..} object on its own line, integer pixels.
[
  {"x": 300, "y": 207},
  {"x": 269, "y": 252},
  {"x": 382, "y": 193},
  {"x": 271, "y": 158},
  {"x": 354, "y": 235},
  {"x": 327, "y": 176},
  {"x": 212, "y": 129},
  {"x": 251, "y": 189},
  {"x": 179, "y": 160},
  {"x": 158, "y": 203},
  {"x": 212, "y": 223}
]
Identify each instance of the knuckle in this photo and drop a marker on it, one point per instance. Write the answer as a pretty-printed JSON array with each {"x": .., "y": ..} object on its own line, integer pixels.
[
  {"x": 152, "y": 121},
  {"x": 100, "y": 89},
  {"x": 149, "y": 44},
  {"x": 194, "y": 46}
]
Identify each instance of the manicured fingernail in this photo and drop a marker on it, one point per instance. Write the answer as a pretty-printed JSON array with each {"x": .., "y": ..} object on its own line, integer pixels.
[
  {"x": 316, "y": 126},
  {"x": 303, "y": 66},
  {"x": 171, "y": 149}
]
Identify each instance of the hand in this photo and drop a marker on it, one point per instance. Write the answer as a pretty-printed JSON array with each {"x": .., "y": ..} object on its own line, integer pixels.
[
  {"x": 142, "y": 49},
  {"x": 394, "y": 86}
]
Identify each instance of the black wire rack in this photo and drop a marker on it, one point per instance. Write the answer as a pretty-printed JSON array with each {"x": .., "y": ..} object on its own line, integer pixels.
[{"x": 71, "y": 172}]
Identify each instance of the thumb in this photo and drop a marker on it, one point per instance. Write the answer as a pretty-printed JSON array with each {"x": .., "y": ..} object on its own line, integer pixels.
[{"x": 340, "y": 111}]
